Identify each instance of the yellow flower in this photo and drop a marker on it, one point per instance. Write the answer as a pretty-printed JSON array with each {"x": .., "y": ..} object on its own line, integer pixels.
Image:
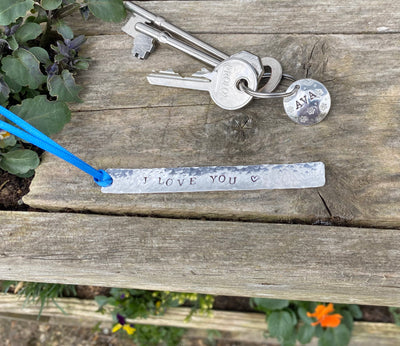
[
  {"x": 130, "y": 330},
  {"x": 122, "y": 324},
  {"x": 117, "y": 327}
]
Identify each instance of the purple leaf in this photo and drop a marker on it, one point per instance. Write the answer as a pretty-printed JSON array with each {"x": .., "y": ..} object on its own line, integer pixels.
[
  {"x": 52, "y": 70},
  {"x": 64, "y": 50},
  {"x": 77, "y": 42}
]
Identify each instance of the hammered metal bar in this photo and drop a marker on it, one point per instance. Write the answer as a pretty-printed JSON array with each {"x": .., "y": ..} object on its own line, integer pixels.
[{"x": 217, "y": 178}]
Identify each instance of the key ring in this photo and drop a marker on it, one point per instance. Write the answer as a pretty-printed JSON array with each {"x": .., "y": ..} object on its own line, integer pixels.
[
  {"x": 306, "y": 101},
  {"x": 261, "y": 95}
]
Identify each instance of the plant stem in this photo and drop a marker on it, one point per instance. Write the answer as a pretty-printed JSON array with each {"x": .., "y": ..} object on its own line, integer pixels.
[
  {"x": 45, "y": 37},
  {"x": 4, "y": 184}
]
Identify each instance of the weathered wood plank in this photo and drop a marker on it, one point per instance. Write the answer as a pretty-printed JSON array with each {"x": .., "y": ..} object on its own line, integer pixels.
[
  {"x": 235, "y": 326},
  {"x": 318, "y": 263},
  {"x": 283, "y": 16},
  {"x": 358, "y": 141},
  {"x": 353, "y": 67},
  {"x": 84, "y": 312}
]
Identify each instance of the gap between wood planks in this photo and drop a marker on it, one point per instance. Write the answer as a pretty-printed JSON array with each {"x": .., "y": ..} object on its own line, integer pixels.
[{"x": 334, "y": 221}]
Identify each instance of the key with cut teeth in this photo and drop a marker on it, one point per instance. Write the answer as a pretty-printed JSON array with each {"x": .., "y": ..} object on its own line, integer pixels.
[
  {"x": 162, "y": 23},
  {"x": 234, "y": 81},
  {"x": 143, "y": 45},
  {"x": 221, "y": 83},
  {"x": 195, "y": 47}
]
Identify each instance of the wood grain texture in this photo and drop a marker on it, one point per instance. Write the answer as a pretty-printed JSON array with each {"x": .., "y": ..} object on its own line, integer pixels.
[
  {"x": 273, "y": 16},
  {"x": 127, "y": 123},
  {"x": 234, "y": 326},
  {"x": 317, "y": 263}
]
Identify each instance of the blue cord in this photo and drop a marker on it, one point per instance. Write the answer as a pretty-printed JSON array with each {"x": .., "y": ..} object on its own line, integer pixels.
[{"x": 34, "y": 136}]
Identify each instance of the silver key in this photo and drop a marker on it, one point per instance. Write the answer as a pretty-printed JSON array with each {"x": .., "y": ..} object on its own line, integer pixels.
[
  {"x": 221, "y": 83},
  {"x": 143, "y": 45},
  {"x": 162, "y": 23},
  {"x": 165, "y": 37},
  {"x": 276, "y": 74},
  {"x": 211, "y": 56}
]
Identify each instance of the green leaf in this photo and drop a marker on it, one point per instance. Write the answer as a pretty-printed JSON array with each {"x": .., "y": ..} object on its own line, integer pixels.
[
  {"x": 28, "y": 174},
  {"x": 294, "y": 317},
  {"x": 355, "y": 311},
  {"x": 347, "y": 319},
  {"x": 11, "y": 10},
  {"x": 302, "y": 312},
  {"x": 28, "y": 31},
  {"x": 47, "y": 116},
  {"x": 9, "y": 141},
  {"x": 12, "y": 43},
  {"x": 51, "y": 4},
  {"x": 305, "y": 333},
  {"x": 4, "y": 90},
  {"x": 82, "y": 65},
  {"x": 107, "y": 10},
  {"x": 31, "y": 93},
  {"x": 64, "y": 30},
  {"x": 270, "y": 304},
  {"x": 41, "y": 54},
  {"x": 339, "y": 336},
  {"x": 101, "y": 301},
  {"x": 280, "y": 324},
  {"x": 63, "y": 86},
  {"x": 290, "y": 340},
  {"x": 319, "y": 331},
  {"x": 396, "y": 314},
  {"x": 19, "y": 161},
  {"x": 14, "y": 86},
  {"x": 24, "y": 68}
]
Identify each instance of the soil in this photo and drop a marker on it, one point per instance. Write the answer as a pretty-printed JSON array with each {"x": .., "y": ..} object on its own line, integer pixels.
[{"x": 12, "y": 189}]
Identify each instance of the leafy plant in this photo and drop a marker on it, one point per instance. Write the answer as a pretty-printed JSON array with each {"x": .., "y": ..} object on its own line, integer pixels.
[
  {"x": 133, "y": 304},
  {"x": 396, "y": 314},
  {"x": 39, "y": 293},
  {"x": 291, "y": 321},
  {"x": 39, "y": 58},
  {"x": 149, "y": 335}
]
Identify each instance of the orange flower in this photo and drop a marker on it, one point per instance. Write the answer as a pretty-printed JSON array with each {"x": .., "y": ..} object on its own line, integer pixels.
[{"x": 322, "y": 312}]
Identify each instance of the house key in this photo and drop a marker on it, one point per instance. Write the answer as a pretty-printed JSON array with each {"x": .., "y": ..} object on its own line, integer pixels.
[
  {"x": 221, "y": 83},
  {"x": 139, "y": 24},
  {"x": 306, "y": 102}
]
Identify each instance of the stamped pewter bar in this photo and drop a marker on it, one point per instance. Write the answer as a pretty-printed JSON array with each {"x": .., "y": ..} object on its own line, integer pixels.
[{"x": 217, "y": 178}]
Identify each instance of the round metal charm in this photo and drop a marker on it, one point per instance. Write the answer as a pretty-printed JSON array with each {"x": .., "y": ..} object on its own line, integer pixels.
[{"x": 310, "y": 105}]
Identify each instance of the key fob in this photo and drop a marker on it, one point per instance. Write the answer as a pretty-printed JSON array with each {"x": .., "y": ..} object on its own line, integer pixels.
[{"x": 310, "y": 104}]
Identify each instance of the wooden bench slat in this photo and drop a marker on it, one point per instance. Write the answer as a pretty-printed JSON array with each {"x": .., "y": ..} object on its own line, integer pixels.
[
  {"x": 234, "y": 16},
  {"x": 359, "y": 70},
  {"x": 234, "y": 326},
  {"x": 151, "y": 126},
  {"x": 318, "y": 263}
]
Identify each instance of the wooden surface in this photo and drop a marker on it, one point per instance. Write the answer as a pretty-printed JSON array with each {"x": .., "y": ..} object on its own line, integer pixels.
[
  {"x": 352, "y": 47},
  {"x": 269, "y": 16},
  {"x": 300, "y": 262},
  {"x": 125, "y": 122},
  {"x": 234, "y": 326}
]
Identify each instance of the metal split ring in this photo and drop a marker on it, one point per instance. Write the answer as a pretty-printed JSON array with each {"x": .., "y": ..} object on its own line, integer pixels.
[{"x": 261, "y": 95}]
